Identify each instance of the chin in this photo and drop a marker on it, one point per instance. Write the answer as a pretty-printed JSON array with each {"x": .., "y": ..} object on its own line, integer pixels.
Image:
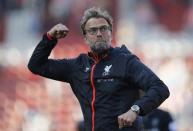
[{"x": 101, "y": 49}]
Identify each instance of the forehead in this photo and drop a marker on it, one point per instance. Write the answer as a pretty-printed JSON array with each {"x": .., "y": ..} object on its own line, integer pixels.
[{"x": 95, "y": 22}]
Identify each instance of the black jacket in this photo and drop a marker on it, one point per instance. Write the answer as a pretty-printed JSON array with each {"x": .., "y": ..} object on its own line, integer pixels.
[{"x": 106, "y": 86}]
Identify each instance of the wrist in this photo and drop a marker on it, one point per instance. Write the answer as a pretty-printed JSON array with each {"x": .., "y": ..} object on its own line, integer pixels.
[
  {"x": 49, "y": 36},
  {"x": 136, "y": 109}
]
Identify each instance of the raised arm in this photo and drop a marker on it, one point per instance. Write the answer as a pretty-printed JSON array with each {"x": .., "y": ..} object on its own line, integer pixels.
[{"x": 51, "y": 68}]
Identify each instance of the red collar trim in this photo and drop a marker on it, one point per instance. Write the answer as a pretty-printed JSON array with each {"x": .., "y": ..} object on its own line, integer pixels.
[{"x": 98, "y": 57}]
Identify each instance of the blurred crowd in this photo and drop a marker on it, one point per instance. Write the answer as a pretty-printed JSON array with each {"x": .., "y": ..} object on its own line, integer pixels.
[
  {"x": 29, "y": 103},
  {"x": 158, "y": 31}
]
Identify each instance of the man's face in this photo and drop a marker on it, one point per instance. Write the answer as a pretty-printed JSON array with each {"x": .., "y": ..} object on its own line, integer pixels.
[{"x": 98, "y": 34}]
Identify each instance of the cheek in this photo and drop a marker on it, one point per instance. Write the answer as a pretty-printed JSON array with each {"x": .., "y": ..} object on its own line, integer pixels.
[
  {"x": 108, "y": 37},
  {"x": 91, "y": 39}
]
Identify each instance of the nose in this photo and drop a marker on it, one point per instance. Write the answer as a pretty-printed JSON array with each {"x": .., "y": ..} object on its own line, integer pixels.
[{"x": 99, "y": 33}]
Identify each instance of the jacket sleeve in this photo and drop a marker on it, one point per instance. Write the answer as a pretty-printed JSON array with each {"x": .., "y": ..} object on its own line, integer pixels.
[
  {"x": 156, "y": 91},
  {"x": 50, "y": 68}
]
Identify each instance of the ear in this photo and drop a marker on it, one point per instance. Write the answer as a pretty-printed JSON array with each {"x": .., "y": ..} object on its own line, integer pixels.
[{"x": 85, "y": 39}]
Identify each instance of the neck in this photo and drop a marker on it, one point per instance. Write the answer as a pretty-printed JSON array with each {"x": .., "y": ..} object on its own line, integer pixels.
[{"x": 98, "y": 56}]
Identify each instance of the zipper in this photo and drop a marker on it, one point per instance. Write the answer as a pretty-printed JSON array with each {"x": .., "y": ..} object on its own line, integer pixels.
[
  {"x": 96, "y": 60},
  {"x": 93, "y": 95}
]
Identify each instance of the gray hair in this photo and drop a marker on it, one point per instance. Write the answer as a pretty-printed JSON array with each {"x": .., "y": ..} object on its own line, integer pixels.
[{"x": 95, "y": 13}]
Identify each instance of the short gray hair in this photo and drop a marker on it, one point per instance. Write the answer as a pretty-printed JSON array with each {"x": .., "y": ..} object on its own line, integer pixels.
[{"x": 95, "y": 13}]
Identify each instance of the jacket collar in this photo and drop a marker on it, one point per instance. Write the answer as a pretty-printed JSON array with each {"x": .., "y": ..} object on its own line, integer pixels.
[{"x": 98, "y": 57}]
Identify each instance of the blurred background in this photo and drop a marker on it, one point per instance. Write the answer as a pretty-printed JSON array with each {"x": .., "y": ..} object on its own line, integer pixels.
[{"x": 159, "y": 32}]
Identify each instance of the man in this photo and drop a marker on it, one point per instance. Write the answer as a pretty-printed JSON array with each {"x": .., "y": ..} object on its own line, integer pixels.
[{"x": 106, "y": 81}]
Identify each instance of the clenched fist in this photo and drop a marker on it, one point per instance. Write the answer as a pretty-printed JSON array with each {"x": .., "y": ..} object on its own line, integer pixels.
[
  {"x": 127, "y": 119},
  {"x": 58, "y": 31}
]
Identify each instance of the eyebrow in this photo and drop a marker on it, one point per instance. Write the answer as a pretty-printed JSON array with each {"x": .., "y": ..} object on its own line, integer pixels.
[{"x": 97, "y": 26}]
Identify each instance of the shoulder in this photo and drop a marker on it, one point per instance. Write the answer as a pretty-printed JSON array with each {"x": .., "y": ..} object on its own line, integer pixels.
[
  {"x": 124, "y": 52},
  {"x": 82, "y": 58},
  {"x": 74, "y": 60}
]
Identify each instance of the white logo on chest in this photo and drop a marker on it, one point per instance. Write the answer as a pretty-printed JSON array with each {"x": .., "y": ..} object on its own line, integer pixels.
[
  {"x": 86, "y": 69},
  {"x": 107, "y": 70}
]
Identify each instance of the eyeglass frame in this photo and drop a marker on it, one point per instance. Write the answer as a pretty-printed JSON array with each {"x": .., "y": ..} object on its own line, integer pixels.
[{"x": 94, "y": 30}]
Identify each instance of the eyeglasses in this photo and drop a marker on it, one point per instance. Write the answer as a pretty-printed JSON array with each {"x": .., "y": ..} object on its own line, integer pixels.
[{"x": 94, "y": 30}]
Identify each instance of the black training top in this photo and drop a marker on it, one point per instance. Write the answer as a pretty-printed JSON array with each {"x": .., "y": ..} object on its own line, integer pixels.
[{"x": 106, "y": 85}]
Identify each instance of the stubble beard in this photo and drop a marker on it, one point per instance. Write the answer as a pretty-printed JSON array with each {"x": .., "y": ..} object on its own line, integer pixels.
[{"x": 99, "y": 47}]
